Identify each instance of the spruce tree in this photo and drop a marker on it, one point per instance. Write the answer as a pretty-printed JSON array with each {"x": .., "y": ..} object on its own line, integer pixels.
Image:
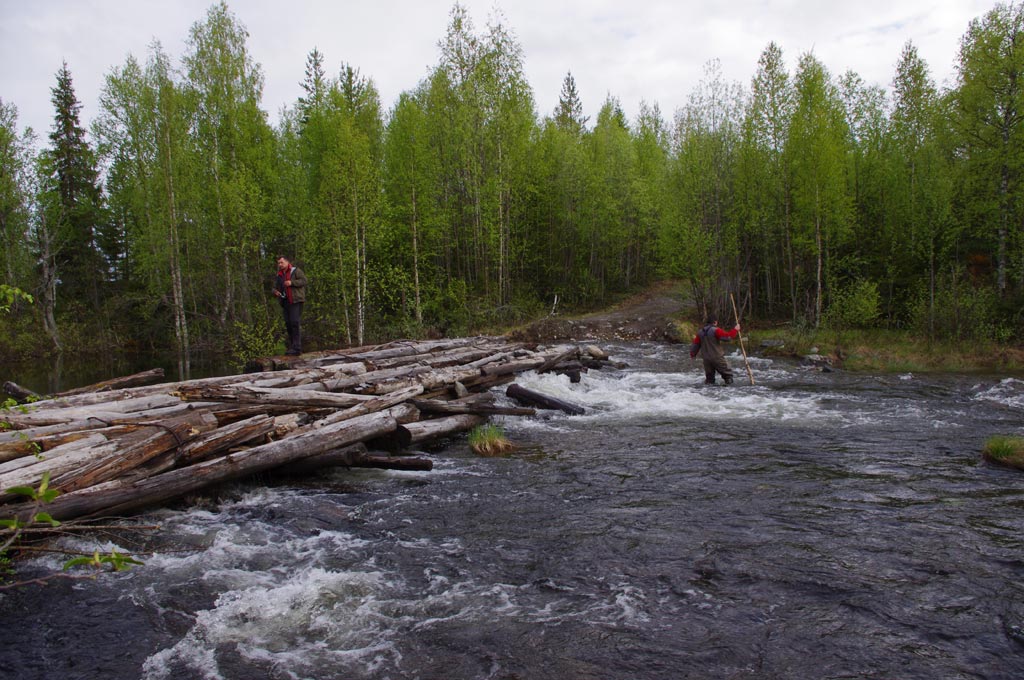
[{"x": 73, "y": 178}]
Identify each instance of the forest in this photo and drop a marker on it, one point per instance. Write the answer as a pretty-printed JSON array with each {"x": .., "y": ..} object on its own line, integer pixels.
[{"x": 816, "y": 198}]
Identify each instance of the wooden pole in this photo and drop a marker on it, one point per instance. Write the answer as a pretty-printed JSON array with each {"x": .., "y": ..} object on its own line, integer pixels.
[{"x": 750, "y": 374}]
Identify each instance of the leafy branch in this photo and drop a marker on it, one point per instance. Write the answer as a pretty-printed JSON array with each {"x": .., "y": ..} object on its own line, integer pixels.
[{"x": 16, "y": 527}]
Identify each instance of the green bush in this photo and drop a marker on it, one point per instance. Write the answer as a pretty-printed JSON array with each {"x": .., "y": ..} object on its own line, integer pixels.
[
  {"x": 855, "y": 305},
  {"x": 962, "y": 311}
]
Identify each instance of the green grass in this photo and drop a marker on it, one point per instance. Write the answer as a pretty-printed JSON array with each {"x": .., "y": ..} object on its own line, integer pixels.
[
  {"x": 489, "y": 440},
  {"x": 1005, "y": 450},
  {"x": 887, "y": 351}
]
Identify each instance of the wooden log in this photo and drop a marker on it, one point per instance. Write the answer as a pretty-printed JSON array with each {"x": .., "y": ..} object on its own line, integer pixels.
[
  {"x": 133, "y": 380},
  {"x": 356, "y": 456},
  {"x": 37, "y": 424},
  {"x": 525, "y": 396},
  {"x": 285, "y": 396},
  {"x": 223, "y": 438},
  {"x": 28, "y": 471},
  {"x": 512, "y": 367},
  {"x": 557, "y": 359},
  {"x": 23, "y": 446},
  {"x": 368, "y": 406},
  {"x": 426, "y": 430},
  {"x": 448, "y": 407},
  {"x": 135, "y": 450},
  {"x": 30, "y": 415},
  {"x": 337, "y": 458},
  {"x": 159, "y": 488},
  {"x": 20, "y": 393}
]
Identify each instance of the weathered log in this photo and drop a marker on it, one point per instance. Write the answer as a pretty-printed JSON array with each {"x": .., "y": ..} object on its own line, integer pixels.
[
  {"x": 123, "y": 499},
  {"x": 29, "y": 470},
  {"x": 133, "y": 380},
  {"x": 21, "y": 445},
  {"x": 525, "y": 396},
  {"x": 438, "y": 406},
  {"x": 223, "y": 438},
  {"x": 555, "y": 360},
  {"x": 95, "y": 459},
  {"x": 511, "y": 367},
  {"x": 29, "y": 416},
  {"x": 20, "y": 393},
  {"x": 426, "y": 430},
  {"x": 370, "y": 405},
  {"x": 285, "y": 396},
  {"x": 356, "y": 456},
  {"x": 135, "y": 450}
]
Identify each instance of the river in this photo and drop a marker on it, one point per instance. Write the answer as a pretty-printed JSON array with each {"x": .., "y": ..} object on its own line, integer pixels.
[{"x": 817, "y": 525}]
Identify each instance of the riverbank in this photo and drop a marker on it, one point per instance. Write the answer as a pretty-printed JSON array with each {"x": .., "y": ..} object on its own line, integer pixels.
[{"x": 663, "y": 313}]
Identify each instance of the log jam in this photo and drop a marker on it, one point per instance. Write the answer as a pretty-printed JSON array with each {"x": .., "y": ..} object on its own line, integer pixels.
[{"x": 113, "y": 448}]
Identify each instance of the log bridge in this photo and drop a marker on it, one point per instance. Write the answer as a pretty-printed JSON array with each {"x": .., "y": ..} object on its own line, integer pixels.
[{"x": 112, "y": 451}]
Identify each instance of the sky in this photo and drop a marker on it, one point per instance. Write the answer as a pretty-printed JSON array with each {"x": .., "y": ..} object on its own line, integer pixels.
[{"x": 652, "y": 51}]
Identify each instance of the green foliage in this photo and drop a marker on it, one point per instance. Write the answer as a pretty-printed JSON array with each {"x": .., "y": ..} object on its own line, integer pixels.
[
  {"x": 10, "y": 295},
  {"x": 463, "y": 208},
  {"x": 14, "y": 527},
  {"x": 855, "y": 305},
  {"x": 961, "y": 311},
  {"x": 255, "y": 339},
  {"x": 115, "y": 560}
]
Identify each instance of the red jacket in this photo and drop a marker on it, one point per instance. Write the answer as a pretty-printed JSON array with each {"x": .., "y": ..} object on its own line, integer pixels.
[{"x": 719, "y": 335}]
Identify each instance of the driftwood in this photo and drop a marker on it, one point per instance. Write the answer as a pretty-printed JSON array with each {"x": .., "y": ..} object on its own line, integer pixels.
[
  {"x": 525, "y": 396},
  {"x": 112, "y": 449}
]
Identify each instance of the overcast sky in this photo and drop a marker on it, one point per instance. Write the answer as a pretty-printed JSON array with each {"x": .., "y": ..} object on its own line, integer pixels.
[{"x": 635, "y": 50}]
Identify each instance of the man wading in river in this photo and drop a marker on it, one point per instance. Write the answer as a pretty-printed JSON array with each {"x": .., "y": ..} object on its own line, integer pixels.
[{"x": 706, "y": 343}]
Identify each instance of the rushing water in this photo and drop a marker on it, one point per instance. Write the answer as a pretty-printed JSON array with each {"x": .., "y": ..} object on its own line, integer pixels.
[{"x": 818, "y": 525}]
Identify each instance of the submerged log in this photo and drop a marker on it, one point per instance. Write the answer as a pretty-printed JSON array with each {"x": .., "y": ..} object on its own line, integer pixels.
[{"x": 525, "y": 396}]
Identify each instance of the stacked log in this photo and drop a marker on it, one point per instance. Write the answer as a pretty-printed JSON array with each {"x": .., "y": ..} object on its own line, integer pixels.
[{"x": 118, "y": 449}]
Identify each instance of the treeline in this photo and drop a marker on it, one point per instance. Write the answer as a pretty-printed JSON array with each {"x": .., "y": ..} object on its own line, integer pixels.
[{"x": 816, "y": 199}]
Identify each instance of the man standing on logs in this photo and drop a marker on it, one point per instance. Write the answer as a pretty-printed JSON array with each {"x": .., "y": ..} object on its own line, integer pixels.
[
  {"x": 290, "y": 289},
  {"x": 706, "y": 343}
]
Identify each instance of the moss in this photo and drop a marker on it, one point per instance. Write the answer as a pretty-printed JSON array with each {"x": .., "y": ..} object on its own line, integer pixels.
[{"x": 1005, "y": 450}]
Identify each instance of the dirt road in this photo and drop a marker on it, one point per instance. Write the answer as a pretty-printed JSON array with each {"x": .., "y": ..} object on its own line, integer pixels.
[{"x": 646, "y": 316}]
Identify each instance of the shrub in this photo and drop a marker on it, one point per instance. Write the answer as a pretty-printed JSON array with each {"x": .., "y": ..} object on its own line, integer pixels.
[{"x": 855, "y": 305}]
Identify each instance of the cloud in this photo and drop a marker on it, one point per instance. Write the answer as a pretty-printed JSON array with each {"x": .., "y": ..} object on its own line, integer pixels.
[{"x": 653, "y": 50}]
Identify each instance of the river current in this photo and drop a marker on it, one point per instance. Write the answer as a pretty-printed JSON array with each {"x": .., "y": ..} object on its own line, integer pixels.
[{"x": 816, "y": 525}]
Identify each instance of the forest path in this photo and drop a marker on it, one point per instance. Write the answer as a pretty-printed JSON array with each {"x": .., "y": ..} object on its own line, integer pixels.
[{"x": 645, "y": 316}]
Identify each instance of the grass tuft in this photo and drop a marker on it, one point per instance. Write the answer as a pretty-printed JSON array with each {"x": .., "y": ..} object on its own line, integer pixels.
[
  {"x": 489, "y": 440},
  {"x": 1005, "y": 450}
]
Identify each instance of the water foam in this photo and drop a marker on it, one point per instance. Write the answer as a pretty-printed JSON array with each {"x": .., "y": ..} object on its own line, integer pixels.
[
  {"x": 640, "y": 394},
  {"x": 1008, "y": 392}
]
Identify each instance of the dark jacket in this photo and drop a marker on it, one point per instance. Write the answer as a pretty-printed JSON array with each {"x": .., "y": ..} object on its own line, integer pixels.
[{"x": 298, "y": 287}]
